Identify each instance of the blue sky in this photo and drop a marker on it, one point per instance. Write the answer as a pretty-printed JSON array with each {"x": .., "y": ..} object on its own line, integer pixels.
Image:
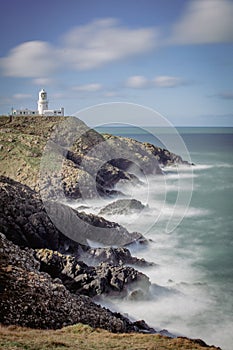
[{"x": 175, "y": 56}]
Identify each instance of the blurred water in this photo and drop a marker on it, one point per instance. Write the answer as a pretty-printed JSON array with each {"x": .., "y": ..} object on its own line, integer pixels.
[{"x": 195, "y": 262}]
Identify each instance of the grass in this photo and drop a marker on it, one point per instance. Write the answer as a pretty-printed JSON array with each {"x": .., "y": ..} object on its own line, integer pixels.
[
  {"x": 22, "y": 143},
  {"x": 83, "y": 337}
]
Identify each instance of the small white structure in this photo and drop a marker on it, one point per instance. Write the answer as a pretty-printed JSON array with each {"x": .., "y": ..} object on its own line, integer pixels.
[
  {"x": 18, "y": 112},
  {"x": 43, "y": 103},
  {"x": 43, "y": 109}
]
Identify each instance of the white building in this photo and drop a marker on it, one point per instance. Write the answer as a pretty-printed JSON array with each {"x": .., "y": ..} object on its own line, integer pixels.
[{"x": 43, "y": 108}]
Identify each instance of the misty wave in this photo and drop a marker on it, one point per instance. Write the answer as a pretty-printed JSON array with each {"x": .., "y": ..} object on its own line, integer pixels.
[{"x": 182, "y": 297}]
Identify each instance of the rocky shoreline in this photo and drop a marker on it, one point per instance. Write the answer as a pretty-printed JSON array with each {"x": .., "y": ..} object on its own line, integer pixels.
[
  {"x": 32, "y": 298},
  {"x": 49, "y": 278}
]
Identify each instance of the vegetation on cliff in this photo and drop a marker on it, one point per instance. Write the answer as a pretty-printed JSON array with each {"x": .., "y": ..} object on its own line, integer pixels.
[{"x": 84, "y": 337}]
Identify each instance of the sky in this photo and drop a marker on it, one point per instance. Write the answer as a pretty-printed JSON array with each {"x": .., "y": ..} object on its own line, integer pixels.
[{"x": 173, "y": 56}]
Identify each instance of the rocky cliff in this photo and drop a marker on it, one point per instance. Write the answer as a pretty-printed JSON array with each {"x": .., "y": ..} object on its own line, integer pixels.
[
  {"x": 34, "y": 299},
  {"x": 83, "y": 156},
  {"x": 48, "y": 275}
]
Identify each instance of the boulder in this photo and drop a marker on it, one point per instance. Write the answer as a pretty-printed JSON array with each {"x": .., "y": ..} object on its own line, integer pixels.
[{"x": 122, "y": 207}]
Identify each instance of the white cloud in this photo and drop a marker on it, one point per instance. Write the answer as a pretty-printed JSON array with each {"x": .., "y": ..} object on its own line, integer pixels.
[
  {"x": 204, "y": 21},
  {"x": 166, "y": 81},
  {"x": 163, "y": 81},
  {"x": 22, "y": 96},
  {"x": 137, "y": 82},
  {"x": 104, "y": 41},
  {"x": 88, "y": 87},
  {"x": 30, "y": 59},
  {"x": 82, "y": 48}
]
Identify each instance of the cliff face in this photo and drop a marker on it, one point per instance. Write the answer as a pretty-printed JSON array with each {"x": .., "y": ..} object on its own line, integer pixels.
[
  {"x": 39, "y": 288},
  {"x": 25, "y": 221},
  {"x": 86, "y": 157},
  {"x": 33, "y": 299}
]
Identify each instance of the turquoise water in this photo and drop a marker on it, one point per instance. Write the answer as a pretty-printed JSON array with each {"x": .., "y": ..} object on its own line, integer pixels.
[{"x": 196, "y": 260}]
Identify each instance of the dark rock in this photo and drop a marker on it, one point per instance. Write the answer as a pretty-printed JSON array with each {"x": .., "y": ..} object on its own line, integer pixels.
[
  {"x": 31, "y": 298},
  {"x": 122, "y": 207},
  {"x": 114, "y": 256},
  {"x": 165, "y": 157},
  {"x": 24, "y": 219},
  {"x": 109, "y": 175},
  {"x": 143, "y": 326},
  {"x": 89, "y": 280},
  {"x": 133, "y": 155},
  {"x": 108, "y": 233}
]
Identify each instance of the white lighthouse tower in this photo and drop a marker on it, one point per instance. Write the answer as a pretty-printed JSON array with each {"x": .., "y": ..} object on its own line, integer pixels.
[
  {"x": 43, "y": 109},
  {"x": 43, "y": 103}
]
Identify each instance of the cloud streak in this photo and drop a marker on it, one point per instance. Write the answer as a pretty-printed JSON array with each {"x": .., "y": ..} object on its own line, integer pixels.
[
  {"x": 94, "y": 87},
  {"x": 226, "y": 95},
  {"x": 165, "y": 81},
  {"x": 137, "y": 82},
  {"x": 204, "y": 22},
  {"x": 20, "y": 96},
  {"x": 162, "y": 81}
]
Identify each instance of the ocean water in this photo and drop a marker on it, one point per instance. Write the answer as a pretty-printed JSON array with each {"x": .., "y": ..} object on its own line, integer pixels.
[{"x": 192, "y": 282}]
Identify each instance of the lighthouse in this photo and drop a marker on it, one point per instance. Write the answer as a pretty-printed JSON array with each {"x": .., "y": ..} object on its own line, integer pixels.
[
  {"x": 43, "y": 109},
  {"x": 43, "y": 103}
]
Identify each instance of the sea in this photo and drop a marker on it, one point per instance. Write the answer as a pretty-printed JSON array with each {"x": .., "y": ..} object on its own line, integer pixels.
[{"x": 192, "y": 280}]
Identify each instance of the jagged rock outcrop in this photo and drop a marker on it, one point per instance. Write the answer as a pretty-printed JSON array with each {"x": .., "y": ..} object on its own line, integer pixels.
[
  {"x": 131, "y": 154},
  {"x": 114, "y": 256},
  {"x": 33, "y": 299},
  {"x": 122, "y": 207},
  {"x": 24, "y": 220},
  {"x": 165, "y": 157},
  {"x": 80, "y": 278},
  {"x": 155, "y": 155}
]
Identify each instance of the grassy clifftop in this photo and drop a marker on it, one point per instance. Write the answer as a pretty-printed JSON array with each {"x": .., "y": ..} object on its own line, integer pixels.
[
  {"x": 22, "y": 141},
  {"x": 83, "y": 337}
]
